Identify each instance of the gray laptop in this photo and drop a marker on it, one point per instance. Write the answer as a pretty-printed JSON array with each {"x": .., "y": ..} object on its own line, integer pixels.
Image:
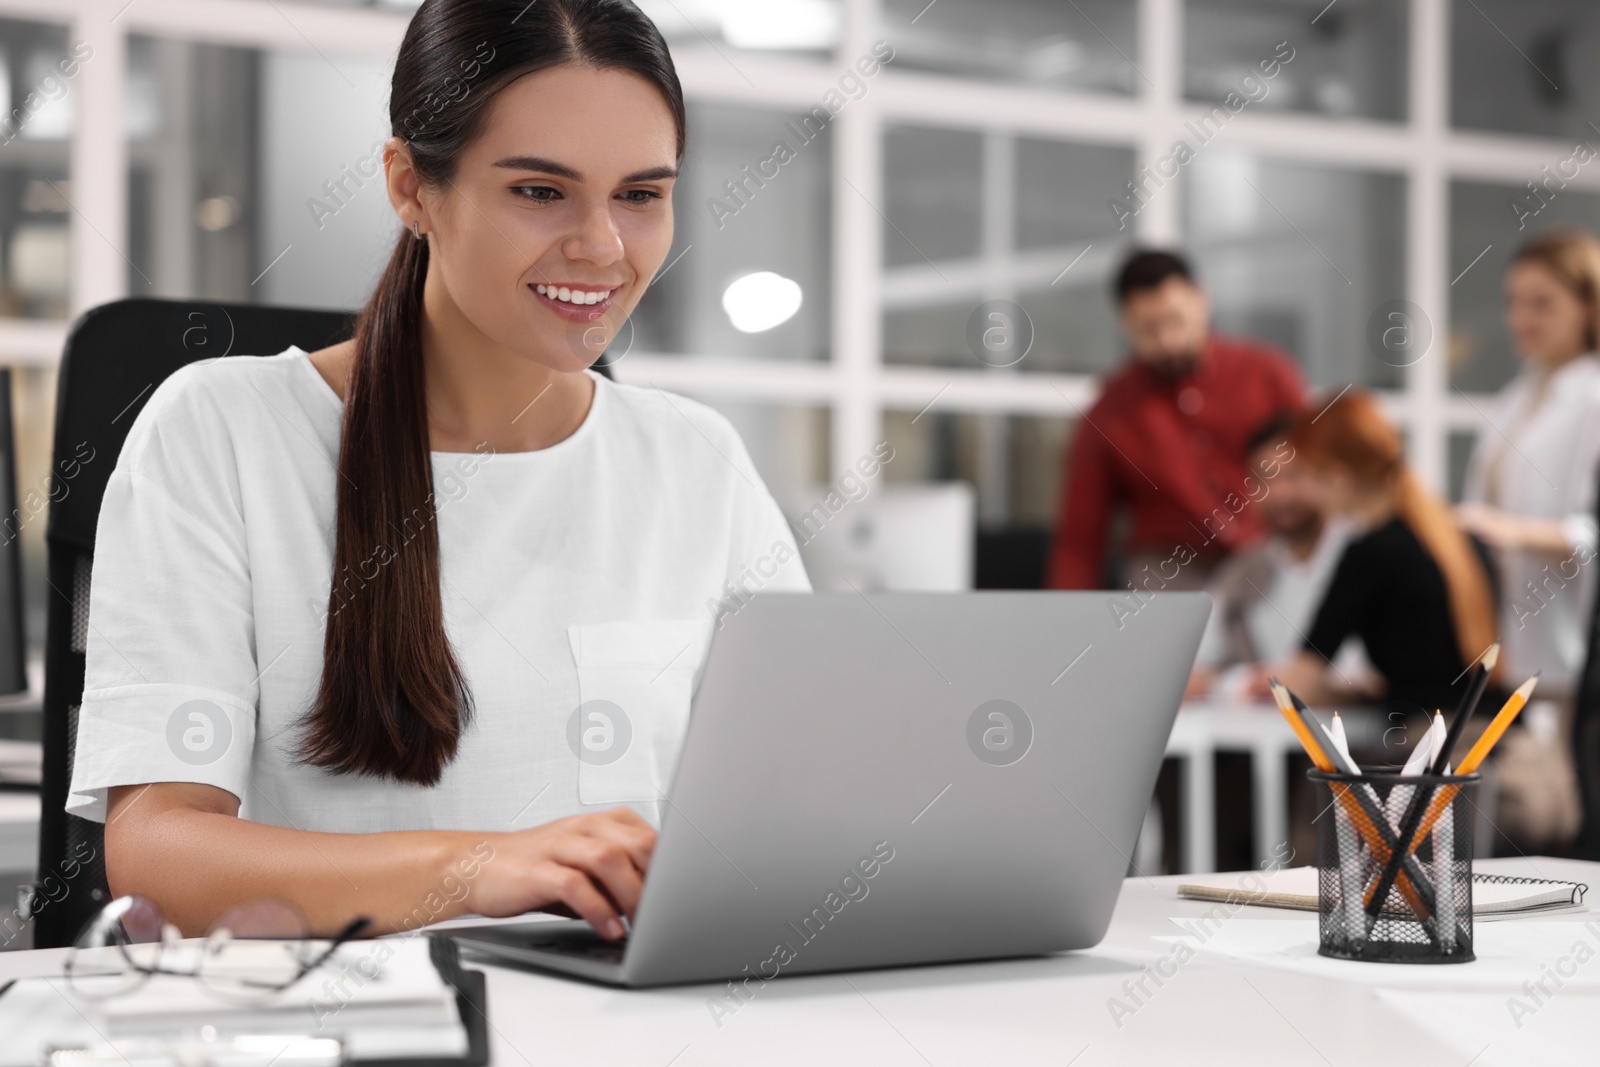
[{"x": 874, "y": 780}]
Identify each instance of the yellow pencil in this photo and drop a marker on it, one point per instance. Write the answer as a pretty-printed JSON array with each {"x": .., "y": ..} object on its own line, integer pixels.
[
  {"x": 1341, "y": 793},
  {"x": 1280, "y": 693},
  {"x": 1476, "y": 755}
]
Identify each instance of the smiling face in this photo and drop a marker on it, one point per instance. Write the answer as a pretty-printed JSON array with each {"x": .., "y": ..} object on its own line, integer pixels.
[{"x": 559, "y": 213}]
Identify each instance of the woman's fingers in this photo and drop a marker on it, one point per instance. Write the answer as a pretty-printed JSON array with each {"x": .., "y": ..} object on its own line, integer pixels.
[
  {"x": 608, "y": 864},
  {"x": 591, "y": 866},
  {"x": 635, "y": 835},
  {"x": 575, "y": 888}
]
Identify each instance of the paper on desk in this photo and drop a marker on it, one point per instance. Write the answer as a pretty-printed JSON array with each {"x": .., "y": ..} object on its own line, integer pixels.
[
  {"x": 1508, "y": 953},
  {"x": 406, "y": 1012},
  {"x": 1296, "y": 887},
  {"x": 389, "y": 981}
]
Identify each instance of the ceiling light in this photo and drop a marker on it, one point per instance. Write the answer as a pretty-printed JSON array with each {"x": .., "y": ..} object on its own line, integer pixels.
[
  {"x": 788, "y": 24},
  {"x": 758, "y": 302}
]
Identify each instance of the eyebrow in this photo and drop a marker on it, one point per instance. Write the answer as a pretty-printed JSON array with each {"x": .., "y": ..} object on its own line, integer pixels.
[{"x": 561, "y": 170}]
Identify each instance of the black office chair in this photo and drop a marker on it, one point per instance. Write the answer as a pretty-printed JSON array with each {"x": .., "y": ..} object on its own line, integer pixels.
[{"x": 115, "y": 356}]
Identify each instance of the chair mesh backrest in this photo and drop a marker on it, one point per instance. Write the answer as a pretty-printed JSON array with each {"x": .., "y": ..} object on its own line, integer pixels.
[
  {"x": 114, "y": 354},
  {"x": 82, "y": 567},
  {"x": 85, "y": 837},
  {"x": 71, "y": 879}
]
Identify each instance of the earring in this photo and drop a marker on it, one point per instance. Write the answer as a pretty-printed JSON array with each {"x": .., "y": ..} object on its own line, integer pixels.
[{"x": 416, "y": 230}]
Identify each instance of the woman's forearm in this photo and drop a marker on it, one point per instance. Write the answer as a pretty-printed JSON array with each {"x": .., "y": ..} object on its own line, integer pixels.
[
  {"x": 1547, "y": 536},
  {"x": 197, "y": 862},
  {"x": 1530, "y": 533},
  {"x": 1316, "y": 681}
]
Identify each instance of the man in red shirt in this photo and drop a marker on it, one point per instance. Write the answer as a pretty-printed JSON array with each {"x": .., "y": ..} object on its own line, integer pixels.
[{"x": 1166, "y": 439}]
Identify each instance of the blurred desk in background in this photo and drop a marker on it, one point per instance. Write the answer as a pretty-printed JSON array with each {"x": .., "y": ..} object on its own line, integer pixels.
[{"x": 1202, "y": 730}]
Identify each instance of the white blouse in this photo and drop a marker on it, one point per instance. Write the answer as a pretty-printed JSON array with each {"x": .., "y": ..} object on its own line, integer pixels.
[
  {"x": 580, "y": 585},
  {"x": 1538, "y": 458}
]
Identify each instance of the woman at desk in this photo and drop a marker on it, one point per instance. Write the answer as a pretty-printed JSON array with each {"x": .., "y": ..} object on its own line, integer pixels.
[
  {"x": 1411, "y": 584},
  {"x": 432, "y": 601}
]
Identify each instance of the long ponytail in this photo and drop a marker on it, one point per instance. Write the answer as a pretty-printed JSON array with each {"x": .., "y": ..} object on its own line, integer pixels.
[
  {"x": 1472, "y": 609},
  {"x": 393, "y": 700}
]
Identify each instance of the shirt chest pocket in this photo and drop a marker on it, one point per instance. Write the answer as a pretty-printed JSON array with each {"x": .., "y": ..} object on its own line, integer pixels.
[{"x": 635, "y": 680}]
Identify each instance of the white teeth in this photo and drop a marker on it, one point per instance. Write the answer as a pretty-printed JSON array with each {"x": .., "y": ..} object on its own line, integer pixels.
[{"x": 571, "y": 296}]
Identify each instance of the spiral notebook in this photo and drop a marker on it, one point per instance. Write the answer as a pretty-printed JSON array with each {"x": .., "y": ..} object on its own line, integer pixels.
[{"x": 1494, "y": 896}]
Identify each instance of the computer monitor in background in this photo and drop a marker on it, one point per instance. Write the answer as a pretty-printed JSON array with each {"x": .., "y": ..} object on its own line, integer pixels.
[
  {"x": 13, "y": 642},
  {"x": 901, "y": 538}
]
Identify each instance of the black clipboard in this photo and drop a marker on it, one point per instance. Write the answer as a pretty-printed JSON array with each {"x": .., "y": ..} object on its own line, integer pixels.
[{"x": 472, "y": 1002}]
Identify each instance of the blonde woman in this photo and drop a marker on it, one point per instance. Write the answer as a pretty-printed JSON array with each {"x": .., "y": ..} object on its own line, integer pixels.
[
  {"x": 1530, "y": 490},
  {"x": 1530, "y": 495}
]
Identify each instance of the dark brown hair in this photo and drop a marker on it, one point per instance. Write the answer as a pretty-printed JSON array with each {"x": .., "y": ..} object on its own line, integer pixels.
[
  {"x": 1149, "y": 268},
  {"x": 1573, "y": 256},
  {"x": 393, "y": 700}
]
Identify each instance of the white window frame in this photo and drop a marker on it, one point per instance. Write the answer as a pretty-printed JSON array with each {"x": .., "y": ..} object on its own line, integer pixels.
[{"x": 856, "y": 385}]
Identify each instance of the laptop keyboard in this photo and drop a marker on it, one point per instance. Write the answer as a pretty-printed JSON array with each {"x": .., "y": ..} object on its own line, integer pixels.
[{"x": 591, "y": 947}]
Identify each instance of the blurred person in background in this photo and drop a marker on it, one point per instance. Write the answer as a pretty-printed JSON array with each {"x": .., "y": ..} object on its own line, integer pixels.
[
  {"x": 1265, "y": 595},
  {"x": 1530, "y": 495},
  {"x": 1530, "y": 492},
  {"x": 1166, "y": 440},
  {"x": 1411, "y": 583}
]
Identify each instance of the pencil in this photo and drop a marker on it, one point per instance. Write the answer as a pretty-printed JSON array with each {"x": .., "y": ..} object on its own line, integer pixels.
[
  {"x": 1366, "y": 817},
  {"x": 1469, "y": 704},
  {"x": 1280, "y": 693},
  {"x": 1497, "y": 726},
  {"x": 1412, "y": 821},
  {"x": 1476, "y": 755}
]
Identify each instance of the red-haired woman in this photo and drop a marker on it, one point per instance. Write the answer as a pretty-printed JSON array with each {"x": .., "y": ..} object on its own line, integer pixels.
[{"x": 1413, "y": 586}]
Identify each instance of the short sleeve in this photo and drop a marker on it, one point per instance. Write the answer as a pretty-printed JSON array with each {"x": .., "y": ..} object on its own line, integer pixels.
[{"x": 170, "y": 682}]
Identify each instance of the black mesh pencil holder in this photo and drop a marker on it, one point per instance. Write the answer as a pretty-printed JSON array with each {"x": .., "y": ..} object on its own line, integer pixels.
[{"x": 1369, "y": 907}]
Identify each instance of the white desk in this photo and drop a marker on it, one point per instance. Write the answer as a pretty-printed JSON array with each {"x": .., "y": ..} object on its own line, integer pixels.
[{"x": 1042, "y": 1011}]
